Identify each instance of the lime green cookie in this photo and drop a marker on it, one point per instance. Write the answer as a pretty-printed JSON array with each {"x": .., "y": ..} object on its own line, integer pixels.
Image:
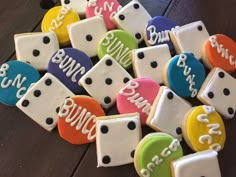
[
  {"x": 154, "y": 154},
  {"x": 118, "y": 44}
]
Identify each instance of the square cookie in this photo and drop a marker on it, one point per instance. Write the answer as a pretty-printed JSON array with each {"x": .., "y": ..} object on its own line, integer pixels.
[{"x": 78, "y": 5}]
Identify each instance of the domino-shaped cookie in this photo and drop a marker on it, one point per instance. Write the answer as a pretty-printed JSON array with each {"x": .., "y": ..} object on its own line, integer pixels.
[{"x": 78, "y": 5}]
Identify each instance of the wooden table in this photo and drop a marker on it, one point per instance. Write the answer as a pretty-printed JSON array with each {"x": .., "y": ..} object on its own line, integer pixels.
[{"x": 27, "y": 150}]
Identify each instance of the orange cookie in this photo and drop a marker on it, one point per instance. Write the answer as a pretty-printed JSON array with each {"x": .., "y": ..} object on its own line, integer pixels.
[
  {"x": 76, "y": 123},
  {"x": 220, "y": 51}
]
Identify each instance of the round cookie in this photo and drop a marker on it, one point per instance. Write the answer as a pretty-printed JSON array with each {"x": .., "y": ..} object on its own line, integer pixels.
[
  {"x": 15, "y": 79},
  {"x": 76, "y": 122},
  {"x": 184, "y": 74},
  {"x": 203, "y": 129},
  {"x": 135, "y": 97},
  {"x": 118, "y": 44},
  {"x": 220, "y": 51},
  {"x": 154, "y": 153},
  {"x": 106, "y": 8},
  {"x": 56, "y": 20},
  {"x": 69, "y": 65}
]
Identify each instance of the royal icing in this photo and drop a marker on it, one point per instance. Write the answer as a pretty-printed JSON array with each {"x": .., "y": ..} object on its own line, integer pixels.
[
  {"x": 168, "y": 107},
  {"x": 106, "y": 8},
  {"x": 15, "y": 79},
  {"x": 125, "y": 19},
  {"x": 69, "y": 65},
  {"x": 220, "y": 51},
  {"x": 118, "y": 44},
  {"x": 185, "y": 75},
  {"x": 78, "y": 5},
  {"x": 154, "y": 154},
  {"x": 57, "y": 19},
  {"x": 204, "y": 130},
  {"x": 77, "y": 119},
  {"x": 117, "y": 138},
  {"x": 150, "y": 61},
  {"x": 133, "y": 97}
]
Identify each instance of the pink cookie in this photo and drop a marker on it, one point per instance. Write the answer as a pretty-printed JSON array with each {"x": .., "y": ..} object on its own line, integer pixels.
[
  {"x": 106, "y": 8},
  {"x": 137, "y": 96}
]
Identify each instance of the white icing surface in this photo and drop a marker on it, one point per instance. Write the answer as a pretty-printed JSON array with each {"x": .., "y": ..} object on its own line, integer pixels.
[
  {"x": 78, "y": 31},
  {"x": 199, "y": 164},
  {"x": 25, "y": 43},
  {"x": 43, "y": 107},
  {"x": 119, "y": 141},
  {"x": 78, "y": 5},
  {"x": 142, "y": 67},
  {"x": 171, "y": 111}
]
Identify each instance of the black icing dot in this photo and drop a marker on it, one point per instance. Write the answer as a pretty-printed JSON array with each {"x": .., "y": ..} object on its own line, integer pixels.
[
  {"x": 126, "y": 79},
  {"x": 25, "y": 103},
  {"x": 37, "y": 93},
  {"x": 89, "y": 37},
  {"x": 170, "y": 95},
  {"x": 36, "y": 52},
  {"x": 67, "y": 1},
  {"x": 88, "y": 81},
  {"x": 199, "y": 28},
  {"x": 104, "y": 129},
  {"x": 131, "y": 125},
  {"x": 230, "y": 110},
  {"x": 121, "y": 17},
  {"x": 48, "y": 82},
  {"x": 108, "y": 62},
  {"x": 58, "y": 109},
  {"x": 46, "y": 40},
  {"x": 221, "y": 74},
  {"x": 132, "y": 153},
  {"x": 49, "y": 120},
  {"x": 210, "y": 95},
  {"x": 226, "y": 91},
  {"x": 107, "y": 99},
  {"x": 108, "y": 81},
  {"x": 138, "y": 36},
  {"x": 178, "y": 130},
  {"x": 136, "y": 6},
  {"x": 140, "y": 55},
  {"x": 153, "y": 64},
  {"x": 106, "y": 159}
]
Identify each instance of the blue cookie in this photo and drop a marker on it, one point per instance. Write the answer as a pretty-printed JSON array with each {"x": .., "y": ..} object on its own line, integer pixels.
[
  {"x": 185, "y": 75},
  {"x": 69, "y": 65},
  {"x": 157, "y": 32},
  {"x": 15, "y": 79}
]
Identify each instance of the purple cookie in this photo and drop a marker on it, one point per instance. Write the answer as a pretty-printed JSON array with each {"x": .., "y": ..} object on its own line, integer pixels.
[
  {"x": 157, "y": 32},
  {"x": 69, "y": 65}
]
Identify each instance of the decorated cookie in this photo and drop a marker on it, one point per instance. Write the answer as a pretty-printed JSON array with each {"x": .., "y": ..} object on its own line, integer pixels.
[
  {"x": 15, "y": 79},
  {"x": 106, "y": 8},
  {"x": 117, "y": 138},
  {"x": 190, "y": 38},
  {"x": 218, "y": 90},
  {"x": 43, "y": 100},
  {"x": 184, "y": 74},
  {"x": 204, "y": 129},
  {"x": 118, "y": 44},
  {"x": 36, "y": 48},
  {"x": 57, "y": 19},
  {"x": 202, "y": 164},
  {"x": 85, "y": 35},
  {"x": 125, "y": 19},
  {"x": 69, "y": 65},
  {"x": 78, "y": 5},
  {"x": 150, "y": 61},
  {"x": 76, "y": 122},
  {"x": 137, "y": 96},
  {"x": 104, "y": 81},
  {"x": 220, "y": 51},
  {"x": 154, "y": 153},
  {"x": 168, "y": 107},
  {"x": 157, "y": 32}
]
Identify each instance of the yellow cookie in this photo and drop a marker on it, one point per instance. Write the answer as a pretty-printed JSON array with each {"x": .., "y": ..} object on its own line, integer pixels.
[
  {"x": 57, "y": 19},
  {"x": 204, "y": 129}
]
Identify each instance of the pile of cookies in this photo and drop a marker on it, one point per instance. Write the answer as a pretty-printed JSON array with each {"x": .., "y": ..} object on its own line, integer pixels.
[{"x": 75, "y": 94}]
